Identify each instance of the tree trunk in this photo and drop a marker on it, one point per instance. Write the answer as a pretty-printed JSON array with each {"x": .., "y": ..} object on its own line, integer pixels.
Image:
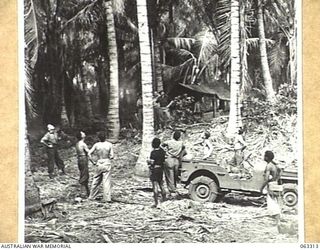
[
  {"x": 158, "y": 67},
  {"x": 293, "y": 47},
  {"x": 141, "y": 168},
  {"x": 264, "y": 57},
  {"x": 234, "y": 115},
  {"x": 32, "y": 195},
  {"x": 113, "y": 122},
  {"x": 243, "y": 53},
  {"x": 72, "y": 118},
  {"x": 64, "y": 116},
  {"x": 87, "y": 100},
  {"x": 293, "y": 60}
]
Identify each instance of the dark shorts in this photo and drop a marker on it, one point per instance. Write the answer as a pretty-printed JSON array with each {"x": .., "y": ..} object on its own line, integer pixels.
[
  {"x": 83, "y": 168},
  {"x": 156, "y": 174}
]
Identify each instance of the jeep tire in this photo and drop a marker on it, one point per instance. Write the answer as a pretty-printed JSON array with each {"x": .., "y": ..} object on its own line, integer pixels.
[
  {"x": 204, "y": 189},
  {"x": 290, "y": 198}
]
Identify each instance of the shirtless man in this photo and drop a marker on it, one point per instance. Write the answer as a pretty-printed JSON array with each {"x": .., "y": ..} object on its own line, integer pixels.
[
  {"x": 206, "y": 143},
  {"x": 104, "y": 152},
  {"x": 82, "y": 154},
  {"x": 272, "y": 171}
]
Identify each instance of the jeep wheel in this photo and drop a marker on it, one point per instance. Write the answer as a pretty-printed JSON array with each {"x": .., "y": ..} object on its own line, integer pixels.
[
  {"x": 203, "y": 189},
  {"x": 290, "y": 198}
]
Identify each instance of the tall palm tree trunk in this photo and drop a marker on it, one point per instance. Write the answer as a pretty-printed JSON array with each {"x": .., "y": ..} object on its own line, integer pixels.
[
  {"x": 87, "y": 100},
  {"x": 235, "y": 115},
  {"x": 293, "y": 60},
  {"x": 64, "y": 117},
  {"x": 158, "y": 67},
  {"x": 32, "y": 195},
  {"x": 113, "y": 122},
  {"x": 264, "y": 57},
  {"x": 293, "y": 47},
  {"x": 141, "y": 168}
]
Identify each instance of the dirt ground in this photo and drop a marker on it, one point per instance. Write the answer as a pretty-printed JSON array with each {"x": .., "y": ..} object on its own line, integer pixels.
[{"x": 130, "y": 218}]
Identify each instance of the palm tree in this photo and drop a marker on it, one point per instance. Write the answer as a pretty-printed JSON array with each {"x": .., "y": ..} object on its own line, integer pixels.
[
  {"x": 141, "y": 168},
  {"x": 281, "y": 15},
  {"x": 109, "y": 8},
  {"x": 263, "y": 55},
  {"x": 64, "y": 117},
  {"x": 31, "y": 15},
  {"x": 234, "y": 115},
  {"x": 113, "y": 122}
]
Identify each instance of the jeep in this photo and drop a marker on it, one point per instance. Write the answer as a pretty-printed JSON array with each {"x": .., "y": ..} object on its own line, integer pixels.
[{"x": 207, "y": 181}]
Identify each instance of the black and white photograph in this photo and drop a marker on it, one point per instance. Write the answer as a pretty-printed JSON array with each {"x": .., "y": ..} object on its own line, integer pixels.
[{"x": 161, "y": 121}]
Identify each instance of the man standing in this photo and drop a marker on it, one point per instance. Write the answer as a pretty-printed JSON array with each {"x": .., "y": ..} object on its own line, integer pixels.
[
  {"x": 272, "y": 171},
  {"x": 82, "y": 154},
  {"x": 104, "y": 152},
  {"x": 156, "y": 162},
  {"x": 174, "y": 148},
  {"x": 50, "y": 140},
  {"x": 272, "y": 176},
  {"x": 164, "y": 109}
]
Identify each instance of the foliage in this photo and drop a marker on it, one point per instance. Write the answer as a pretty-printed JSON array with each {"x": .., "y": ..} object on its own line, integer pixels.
[
  {"x": 287, "y": 99},
  {"x": 32, "y": 38},
  {"x": 183, "y": 109},
  {"x": 257, "y": 111},
  {"x": 194, "y": 37}
]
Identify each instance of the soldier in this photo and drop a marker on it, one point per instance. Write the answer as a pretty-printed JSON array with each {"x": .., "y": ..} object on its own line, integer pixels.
[
  {"x": 164, "y": 103},
  {"x": 174, "y": 150},
  {"x": 207, "y": 145},
  {"x": 156, "y": 163},
  {"x": 50, "y": 140},
  {"x": 272, "y": 171},
  {"x": 82, "y": 154},
  {"x": 104, "y": 152},
  {"x": 272, "y": 176}
]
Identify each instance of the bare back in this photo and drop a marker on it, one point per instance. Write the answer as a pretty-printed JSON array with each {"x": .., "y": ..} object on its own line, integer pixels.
[{"x": 103, "y": 150}]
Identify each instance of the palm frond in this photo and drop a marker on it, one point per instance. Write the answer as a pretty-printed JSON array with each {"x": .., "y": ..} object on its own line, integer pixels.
[
  {"x": 32, "y": 14},
  {"x": 182, "y": 53},
  {"x": 181, "y": 42},
  {"x": 31, "y": 108},
  {"x": 83, "y": 15},
  {"x": 208, "y": 46},
  {"x": 224, "y": 27},
  {"x": 253, "y": 42},
  {"x": 31, "y": 32},
  {"x": 278, "y": 58},
  {"x": 212, "y": 64},
  {"x": 173, "y": 73}
]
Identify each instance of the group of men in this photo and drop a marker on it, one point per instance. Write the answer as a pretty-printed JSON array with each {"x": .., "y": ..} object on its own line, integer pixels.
[
  {"x": 165, "y": 159},
  {"x": 103, "y": 151}
]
